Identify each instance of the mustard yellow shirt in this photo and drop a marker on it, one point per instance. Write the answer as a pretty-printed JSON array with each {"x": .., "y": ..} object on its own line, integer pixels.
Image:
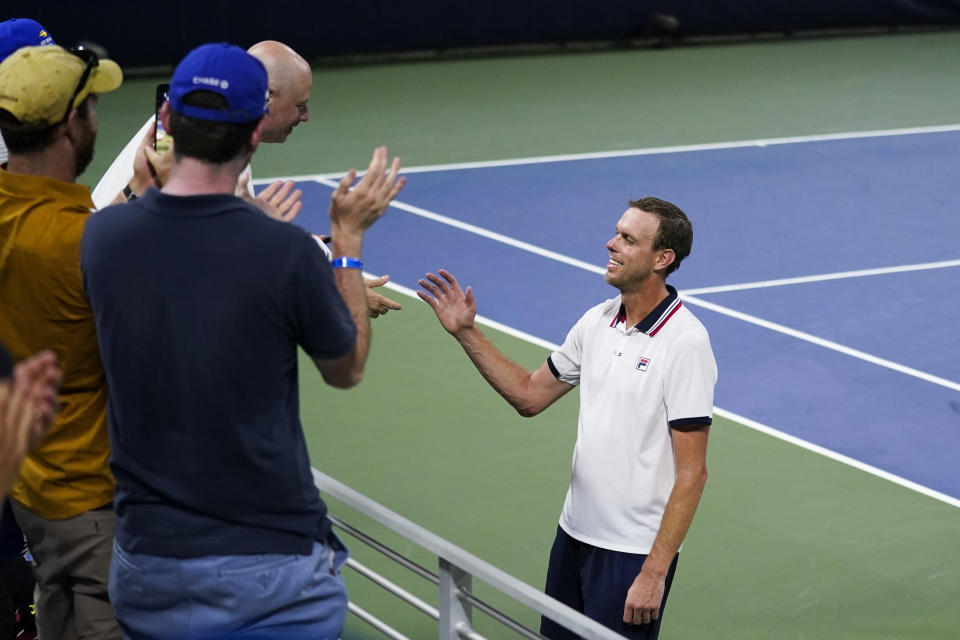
[{"x": 43, "y": 306}]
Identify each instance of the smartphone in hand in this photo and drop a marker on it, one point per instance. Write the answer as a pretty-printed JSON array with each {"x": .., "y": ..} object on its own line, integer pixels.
[{"x": 162, "y": 139}]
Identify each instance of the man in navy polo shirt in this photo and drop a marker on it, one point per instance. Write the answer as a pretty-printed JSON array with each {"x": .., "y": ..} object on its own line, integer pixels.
[
  {"x": 646, "y": 374},
  {"x": 201, "y": 302}
]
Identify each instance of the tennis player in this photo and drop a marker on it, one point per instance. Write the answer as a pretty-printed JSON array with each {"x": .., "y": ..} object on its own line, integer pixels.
[{"x": 646, "y": 374}]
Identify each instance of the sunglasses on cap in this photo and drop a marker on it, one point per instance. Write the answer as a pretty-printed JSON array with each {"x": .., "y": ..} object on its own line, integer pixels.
[{"x": 91, "y": 61}]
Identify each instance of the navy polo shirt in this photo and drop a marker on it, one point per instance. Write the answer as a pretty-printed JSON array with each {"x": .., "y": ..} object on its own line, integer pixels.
[{"x": 200, "y": 305}]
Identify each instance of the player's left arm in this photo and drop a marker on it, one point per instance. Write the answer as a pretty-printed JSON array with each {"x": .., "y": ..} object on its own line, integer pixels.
[
  {"x": 688, "y": 395},
  {"x": 646, "y": 593}
]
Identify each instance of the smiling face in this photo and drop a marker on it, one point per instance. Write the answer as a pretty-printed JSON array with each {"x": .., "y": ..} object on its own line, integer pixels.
[
  {"x": 290, "y": 81},
  {"x": 288, "y": 106},
  {"x": 633, "y": 259}
]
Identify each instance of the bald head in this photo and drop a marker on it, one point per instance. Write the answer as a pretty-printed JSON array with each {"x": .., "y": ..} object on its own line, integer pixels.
[{"x": 290, "y": 80}]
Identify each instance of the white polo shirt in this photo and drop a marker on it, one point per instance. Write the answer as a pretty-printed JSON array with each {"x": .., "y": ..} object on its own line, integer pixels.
[{"x": 636, "y": 384}]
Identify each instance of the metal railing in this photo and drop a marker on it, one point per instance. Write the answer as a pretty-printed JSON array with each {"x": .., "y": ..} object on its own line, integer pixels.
[{"x": 456, "y": 570}]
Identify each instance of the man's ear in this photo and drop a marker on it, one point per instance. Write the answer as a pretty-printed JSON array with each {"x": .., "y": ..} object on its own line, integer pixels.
[
  {"x": 70, "y": 125},
  {"x": 257, "y": 135},
  {"x": 665, "y": 259}
]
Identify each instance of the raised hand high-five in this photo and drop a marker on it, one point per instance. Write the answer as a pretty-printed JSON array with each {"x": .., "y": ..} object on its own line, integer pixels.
[
  {"x": 455, "y": 308},
  {"x": 529, "y": 392}
]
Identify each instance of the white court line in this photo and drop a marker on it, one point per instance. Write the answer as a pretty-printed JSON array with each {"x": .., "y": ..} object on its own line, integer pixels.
[
  {"x": 839, "y": 457},
  {"x": 599, "y": 155},
  {"x": 839, "y": 275},
  {"x": 593, "y": 268},
  {"x": 486, "y": 233},
  {"x": 729, "y": 415},
  {"x": 827, "y": 344}
]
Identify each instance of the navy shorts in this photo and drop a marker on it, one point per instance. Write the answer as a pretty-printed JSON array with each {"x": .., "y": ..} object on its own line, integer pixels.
[{"x": 595, "y": 582}]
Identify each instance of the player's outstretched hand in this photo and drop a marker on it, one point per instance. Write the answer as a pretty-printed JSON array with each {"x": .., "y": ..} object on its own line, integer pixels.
[
  {"x": 455, "y": 308},
  {"x": 377, "y": 303},
  {"x": 354, "y": 210}
]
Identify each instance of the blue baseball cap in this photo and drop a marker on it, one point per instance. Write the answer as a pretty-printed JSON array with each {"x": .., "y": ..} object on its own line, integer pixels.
[
  {"x": 226, "y": 70},
  {"x": 21, "y": 32}
]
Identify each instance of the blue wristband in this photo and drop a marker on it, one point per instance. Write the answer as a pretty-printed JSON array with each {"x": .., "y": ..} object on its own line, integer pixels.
[{"x": 346, "y": 263}]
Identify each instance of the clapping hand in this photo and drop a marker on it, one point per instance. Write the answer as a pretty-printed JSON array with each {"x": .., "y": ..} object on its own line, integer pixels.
[
  {"x": 28, "y": 406},
  {"x": 354, "y": 210}
]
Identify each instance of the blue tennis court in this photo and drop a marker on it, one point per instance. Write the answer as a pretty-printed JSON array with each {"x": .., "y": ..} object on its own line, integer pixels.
[{"x": 855, "y": 352}]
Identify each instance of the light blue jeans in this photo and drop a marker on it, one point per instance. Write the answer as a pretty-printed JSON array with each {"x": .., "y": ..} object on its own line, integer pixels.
[{"x": 254, "y": 597}]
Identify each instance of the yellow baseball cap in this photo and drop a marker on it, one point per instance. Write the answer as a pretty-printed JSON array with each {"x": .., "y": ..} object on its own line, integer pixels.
[{"x": 37, "y": 83}]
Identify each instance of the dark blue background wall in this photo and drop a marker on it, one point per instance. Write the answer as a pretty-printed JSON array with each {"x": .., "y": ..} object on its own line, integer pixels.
[{"x": 145, "y": 33}]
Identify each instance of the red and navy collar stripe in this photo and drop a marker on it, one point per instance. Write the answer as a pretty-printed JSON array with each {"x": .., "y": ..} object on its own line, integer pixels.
[
  {"x": 656, "y": 318},
  {"x": 620, "y": 317}
]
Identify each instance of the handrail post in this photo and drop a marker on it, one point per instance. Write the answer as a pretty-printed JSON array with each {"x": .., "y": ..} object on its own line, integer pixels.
[{"x": 454, "y": 612}]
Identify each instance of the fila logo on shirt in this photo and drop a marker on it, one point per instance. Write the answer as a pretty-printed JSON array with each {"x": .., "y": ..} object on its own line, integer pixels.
[{"x": 643, "y": 364}]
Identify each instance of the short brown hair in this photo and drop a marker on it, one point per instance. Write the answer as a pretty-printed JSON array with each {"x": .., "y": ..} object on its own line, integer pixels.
[
  {"x": 206, "y": 140},
  {"x": 21, "y": 138},
  {"x": 675, "y": 231}
]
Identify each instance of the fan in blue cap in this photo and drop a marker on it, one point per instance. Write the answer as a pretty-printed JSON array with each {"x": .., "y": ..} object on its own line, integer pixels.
[
  {"x": 228, "y": 71},
  {"x": 233, "y": 294},
  {"x": 16, "y": 33},
  {"x": 21, "y": 32}
]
